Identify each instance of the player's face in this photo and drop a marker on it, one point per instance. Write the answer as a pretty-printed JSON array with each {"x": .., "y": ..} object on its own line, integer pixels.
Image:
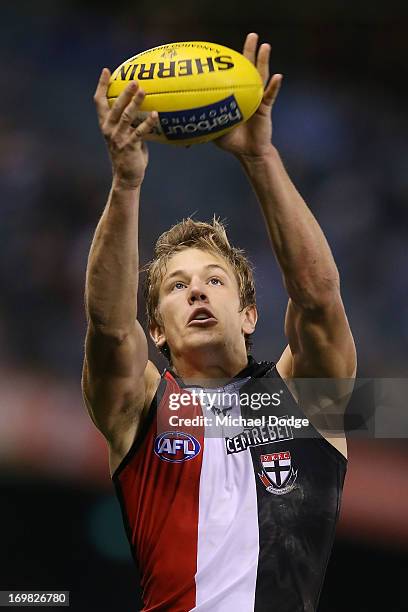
[{"x": 199, "y": 305}]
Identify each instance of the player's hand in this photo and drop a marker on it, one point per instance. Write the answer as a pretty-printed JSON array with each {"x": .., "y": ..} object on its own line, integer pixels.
[
  {"x": 253, "y": 138},
  {"x": 128, "y": 151}
]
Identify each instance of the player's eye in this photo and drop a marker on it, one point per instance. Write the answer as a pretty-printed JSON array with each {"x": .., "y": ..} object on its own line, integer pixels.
[
  {"x": 178, "y": 285},
  {"x": 215, "y": 281}
]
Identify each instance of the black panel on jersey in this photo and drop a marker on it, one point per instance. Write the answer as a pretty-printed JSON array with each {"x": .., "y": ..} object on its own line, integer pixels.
[{"x": 296, "y": 528}]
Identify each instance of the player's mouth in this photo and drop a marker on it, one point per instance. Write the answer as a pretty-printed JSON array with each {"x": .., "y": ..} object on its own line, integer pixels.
[{"x": 201, "y": 317}]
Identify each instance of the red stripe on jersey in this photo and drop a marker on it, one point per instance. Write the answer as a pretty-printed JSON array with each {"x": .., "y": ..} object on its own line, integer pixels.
[{"x": 160, "y": 499}]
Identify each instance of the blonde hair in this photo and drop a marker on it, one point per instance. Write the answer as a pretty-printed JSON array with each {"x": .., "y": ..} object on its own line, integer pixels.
[{"x": 209, "y": 237}]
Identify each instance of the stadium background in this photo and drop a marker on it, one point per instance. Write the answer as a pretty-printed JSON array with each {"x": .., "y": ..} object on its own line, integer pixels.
[{"x": 340, "y": 124}]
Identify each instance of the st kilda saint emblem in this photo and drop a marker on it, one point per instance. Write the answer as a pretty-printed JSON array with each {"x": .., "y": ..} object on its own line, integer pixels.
[{"x": 278, "y": 474}]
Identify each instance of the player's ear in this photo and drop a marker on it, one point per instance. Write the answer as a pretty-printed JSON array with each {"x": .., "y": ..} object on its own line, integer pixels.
[
  {"x": 157, "y": 335},
  {"x": 250, "y": 319}
]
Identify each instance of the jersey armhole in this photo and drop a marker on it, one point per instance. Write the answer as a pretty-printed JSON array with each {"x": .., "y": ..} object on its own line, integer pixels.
[
  {"x": 143, "y": 430},
  {"x": 330, "y": 449}
]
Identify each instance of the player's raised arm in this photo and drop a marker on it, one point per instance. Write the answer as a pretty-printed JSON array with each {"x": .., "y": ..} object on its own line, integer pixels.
[
  {"x": 320, "y": 340},
  {"x": 116, "y": 373}
]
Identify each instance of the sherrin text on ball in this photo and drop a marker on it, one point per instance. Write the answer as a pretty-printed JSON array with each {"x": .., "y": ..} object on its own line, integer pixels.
[{"x": 200, "y": 90}]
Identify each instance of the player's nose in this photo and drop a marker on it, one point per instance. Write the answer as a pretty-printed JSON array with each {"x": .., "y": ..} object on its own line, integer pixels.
[{"x": 197, "y": 292}]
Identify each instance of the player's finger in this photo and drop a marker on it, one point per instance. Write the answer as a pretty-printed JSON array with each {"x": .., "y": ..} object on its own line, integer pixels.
[
  {"x": 272, "y": 89},
  {"x": 262, "y": 62},
  {"x": 130, "y": 112},
  {"x": 122, "y": 102},
  {"x": 100, "y": 99},
  {"x": 250, "y": 47},
  {"x": 145, "y": 127}
]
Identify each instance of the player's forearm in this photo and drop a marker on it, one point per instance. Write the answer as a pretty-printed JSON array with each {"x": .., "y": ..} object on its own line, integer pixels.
[
  {"x": 113, "y": 264},
  {"x": 307, "y": 264}
]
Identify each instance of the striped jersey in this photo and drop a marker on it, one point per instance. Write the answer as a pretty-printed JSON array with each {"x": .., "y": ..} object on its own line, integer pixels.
[{"x": 224, "y": 513}]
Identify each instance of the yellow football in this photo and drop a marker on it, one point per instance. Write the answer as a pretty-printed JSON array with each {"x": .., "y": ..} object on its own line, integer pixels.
[{"x": 201, "y": 90}]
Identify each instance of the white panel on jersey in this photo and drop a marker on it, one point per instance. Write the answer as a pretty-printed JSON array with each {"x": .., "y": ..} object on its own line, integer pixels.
[{"x": 227, "y": 526}]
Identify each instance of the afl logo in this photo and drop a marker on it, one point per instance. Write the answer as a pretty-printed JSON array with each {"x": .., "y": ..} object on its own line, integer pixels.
[{"x": 176, "y": 446}]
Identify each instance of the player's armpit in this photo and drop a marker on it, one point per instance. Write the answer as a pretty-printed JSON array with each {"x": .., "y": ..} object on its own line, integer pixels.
[{"x": 285, "y": 363}]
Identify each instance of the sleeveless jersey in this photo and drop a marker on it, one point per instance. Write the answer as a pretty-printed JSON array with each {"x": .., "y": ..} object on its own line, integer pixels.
[{"x": 232, "y": 522}]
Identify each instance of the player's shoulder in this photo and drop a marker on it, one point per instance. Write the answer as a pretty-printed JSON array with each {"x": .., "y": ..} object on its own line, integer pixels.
[
  {"x": 152, "y": 379},
  {"x": 126, "y": 435}
]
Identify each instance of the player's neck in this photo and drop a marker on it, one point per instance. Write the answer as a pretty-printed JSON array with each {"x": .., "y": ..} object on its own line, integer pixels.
[{"x": 209, "y": 370}]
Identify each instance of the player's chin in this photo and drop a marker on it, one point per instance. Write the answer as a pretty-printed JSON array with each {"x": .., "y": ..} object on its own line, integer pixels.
[{"x": 204, "y": 336}]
